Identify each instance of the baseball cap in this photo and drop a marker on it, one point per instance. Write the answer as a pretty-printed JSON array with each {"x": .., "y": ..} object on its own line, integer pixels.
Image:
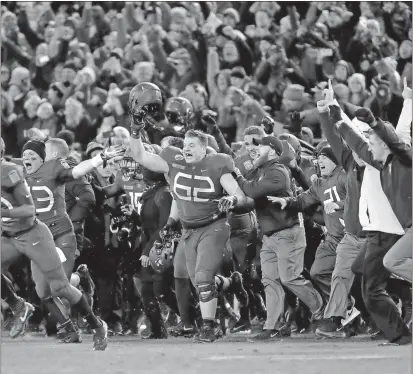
[
  {"x": 93, "y": 146},
  {"x": 271, "y": 141}
]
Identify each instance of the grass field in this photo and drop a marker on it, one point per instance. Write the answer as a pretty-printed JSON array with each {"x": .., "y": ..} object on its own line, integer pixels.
[{"x": 301, "y": 354}]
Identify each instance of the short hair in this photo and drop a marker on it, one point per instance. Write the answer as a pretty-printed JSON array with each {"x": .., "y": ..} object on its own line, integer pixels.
[
  {"x": 67, "y": 135},
  {"x": 255, "y": 130},
  {"x": 174, "y": 141},
  {"x": 199, "y": 135},
  {"x": 60, "y": 145}
]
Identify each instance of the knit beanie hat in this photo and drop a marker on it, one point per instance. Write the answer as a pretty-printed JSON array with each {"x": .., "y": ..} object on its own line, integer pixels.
[
  {"x": 328, "y": 152},
  {"x": 36, "y": 146}
]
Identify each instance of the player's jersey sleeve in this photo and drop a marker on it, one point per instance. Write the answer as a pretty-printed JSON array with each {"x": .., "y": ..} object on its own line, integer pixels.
[
  {"x": 62, "y": 171},
  {"x": 13, "y": 175},
  {"x": 226, "y": 163},
  {"x": 172, "y": 155}
]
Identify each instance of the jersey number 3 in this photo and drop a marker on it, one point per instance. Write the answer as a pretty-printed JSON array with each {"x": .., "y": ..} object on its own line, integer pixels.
[
  {"x": 48, "y": 198},
  {"x": 192, "y": 193}
]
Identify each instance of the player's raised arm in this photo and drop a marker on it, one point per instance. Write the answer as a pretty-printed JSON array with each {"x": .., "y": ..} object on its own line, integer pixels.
[
  {"x": 88, "y": 165},
  {"x": 148, "y": 160},
  {"x": 144, "y": 99}
]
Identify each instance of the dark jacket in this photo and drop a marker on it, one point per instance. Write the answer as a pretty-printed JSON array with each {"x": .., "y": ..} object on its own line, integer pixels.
[
  {"x": 395, "y": 173},
  {"x": 354, "y": 175},
  {"x": 270, "y": 179}
]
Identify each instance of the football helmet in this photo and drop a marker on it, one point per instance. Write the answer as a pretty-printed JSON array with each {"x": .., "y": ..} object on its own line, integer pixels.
[
  {"x": 179, "y": 111},
  {"x": 161, "y": 255},
  {"x": 130, "y": 168},
  {"x": 145, "y": 98}
]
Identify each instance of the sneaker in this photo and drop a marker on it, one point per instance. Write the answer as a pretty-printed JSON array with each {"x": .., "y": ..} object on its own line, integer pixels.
[
  {"x": 68, "y": 333},
  {"x": 100, "y": 337},
  {"x": 206, "y": 335},
  {"x": 283, "y": 331},
  {"x": 182, "y": 330},
  {"x": 20, "y": 319},
  {"x": 241, "y": 327},
  {"x": 352, "y": 314},
  {"x": 330, "y": 328},
  {"x": 7, "y": 319},
  {"x": 237, "y": 288}
]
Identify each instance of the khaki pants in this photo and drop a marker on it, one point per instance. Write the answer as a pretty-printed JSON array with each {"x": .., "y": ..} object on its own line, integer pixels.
[
  {"x": 342, "y": 279},
  {"x": 282, "y": 261},
  {"x": 322, "y": 270},
  {"x": 398, "y": 259}
]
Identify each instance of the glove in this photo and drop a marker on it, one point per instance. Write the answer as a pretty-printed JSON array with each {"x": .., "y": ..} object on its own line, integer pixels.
[
  {"x": 208, "y": 118},
  {"x": 335, "y": 113},
  {"x": 137, "y": 123},
  {"x": 365, "y": 115},
  {"x": 227, "y": 203},
  {"x": 268, "y": 124}
]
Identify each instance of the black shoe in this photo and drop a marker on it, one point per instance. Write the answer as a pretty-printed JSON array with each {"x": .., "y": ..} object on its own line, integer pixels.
[
  {"x": 241, "y": 327},
  {"x": 68, "y": 333},
  {"x": 162, "y": 334},
  {"x": 275, "y": 334},
  {"x": 182, "y": 330},
  {"x": 237, "y": 288},
  {"x": 206, "y": 335},
  {"x": 330, "y": 328}
]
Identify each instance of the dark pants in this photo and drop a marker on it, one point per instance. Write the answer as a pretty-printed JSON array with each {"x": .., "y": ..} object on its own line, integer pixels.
[{"x": 379, "y": 304}]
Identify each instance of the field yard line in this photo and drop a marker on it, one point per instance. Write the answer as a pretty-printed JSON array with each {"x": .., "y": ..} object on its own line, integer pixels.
[{"x": 300, "y": 358}]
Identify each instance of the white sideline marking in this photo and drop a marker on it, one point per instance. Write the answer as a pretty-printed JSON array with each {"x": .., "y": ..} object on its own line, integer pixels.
[{"x": 301, "y": 358}]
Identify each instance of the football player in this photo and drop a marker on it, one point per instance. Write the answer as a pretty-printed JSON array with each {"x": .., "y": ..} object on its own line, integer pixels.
[
  {"x": 24, "y": 234},
  {"x": 244, "y": 235},
  {"x": 198, "y": 183},
  {"x": 47, "y": 171}
]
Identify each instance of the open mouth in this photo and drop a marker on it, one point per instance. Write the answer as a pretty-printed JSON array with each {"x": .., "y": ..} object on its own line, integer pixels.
[
  {"x": 27, "y": 165},
  {"x": 188, "y": 155}
]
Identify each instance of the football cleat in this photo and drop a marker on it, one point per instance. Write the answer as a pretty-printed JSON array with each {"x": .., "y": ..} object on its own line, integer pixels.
[
  {"x": 20, "y": 319},
  {"x": 68, "y": 333},
  {"x": 100, "y": 337},
  {"x": 206, "y": 335},
  {"x": 182, "y": 330}
]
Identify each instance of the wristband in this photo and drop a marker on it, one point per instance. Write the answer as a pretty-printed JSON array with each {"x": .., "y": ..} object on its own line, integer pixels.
[
  {"x": 135, "y": 132},
  {"x": 97, "y": 160}
]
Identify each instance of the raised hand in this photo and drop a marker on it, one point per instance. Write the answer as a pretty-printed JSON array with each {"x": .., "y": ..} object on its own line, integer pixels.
[
  {"x": 335, "y": 113},
  {"x": 208, "y": 118},
  {"x": 407, "y": 92},
  {"x": 114, "y": 151},
  {"x": 278, "y": 200},
  {"x": 329, "y": 93},
  {"x": 365, "y": 115}
]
